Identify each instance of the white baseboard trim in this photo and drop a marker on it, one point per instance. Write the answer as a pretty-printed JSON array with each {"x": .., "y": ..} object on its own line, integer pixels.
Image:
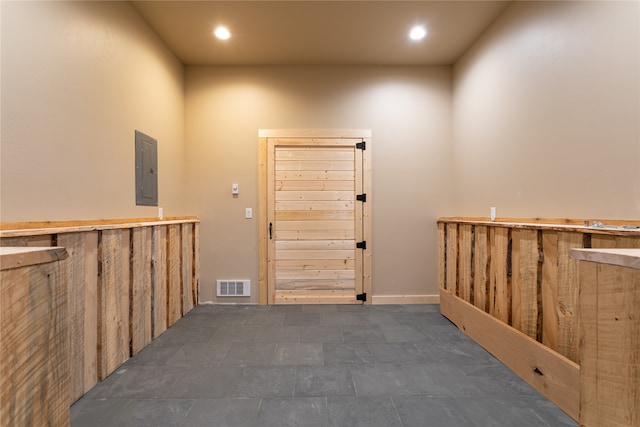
[{"x": 405, "y": 299}]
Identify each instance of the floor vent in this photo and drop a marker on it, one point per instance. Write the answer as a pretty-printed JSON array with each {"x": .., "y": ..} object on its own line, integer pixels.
[{"x": 234, "y": 288}]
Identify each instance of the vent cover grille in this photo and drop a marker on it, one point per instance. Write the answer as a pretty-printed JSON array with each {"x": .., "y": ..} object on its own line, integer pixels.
[{"x": 233, "y": 288}]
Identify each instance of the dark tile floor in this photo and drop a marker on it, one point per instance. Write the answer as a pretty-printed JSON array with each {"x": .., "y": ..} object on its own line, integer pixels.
[{"x": 383, "y": 365}]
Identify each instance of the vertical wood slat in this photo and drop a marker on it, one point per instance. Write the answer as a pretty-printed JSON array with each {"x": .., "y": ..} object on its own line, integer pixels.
[
  {"x": 442, "y": 256},
  {"x": 174, "y": 283},
  {"x": 550, "y": 289},
  {"x": 499, "y": 286},
  {"x": 113, "y": 301},
  {"x": 159, "y": 279},
  {"x": 140, "y": 291},
  {"x": 524, "y": 256},
  {"x": 80, "y": 273},
  {"x": 604, "y": 242},
  {"x": 480, "y": 265},
  {"x": 588, "y": 347},
  {"x": 195, "y": 281},
  {"x": 34, "y": 342},
  {"x": 452, "y": 258},
  {"x": 568, "y": 296},
  {"x": 90, "y": 309},
  {"x": 465, "y": 262},
  {"x": 610, "y": 370},
  {"x": 187, "y": 268}
]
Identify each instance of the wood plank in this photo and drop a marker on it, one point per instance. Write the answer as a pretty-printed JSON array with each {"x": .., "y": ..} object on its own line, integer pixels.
[
  {"x": 308, "y": 153},
  {"x": 549, "y": 290},
  {"x": 27, "y": 229},
  {"x": 344, "y": 205},
  {"x": 568, "y": 296},
  {"x": 503, "y": 221},
  {"x": 314, "y": 274},
  {"x": 313, "y": 234},
  {"x": 452, "y": 259},
  {"x": 304, "y": 245},
  {"x": 25, "y": 256},
  {"x": 314, "y": 165},
  {"x": 442, "y": 273},
  {"x": 123, "y": 222},
  {"x": 465, "y": 262},
  {"x": 174, "y": 276},
  {"x": 314, "y": 225},
  {"x": 367, "y": 215},
  {"x": 195, "y": 282},
  {"x": 603, "y": 242},
  {"x": 500, "y": 292},
  {"x": 316, "y": 264},
  {"x": 314, "y": 134},
  {"x": 311, "y": 215},
  {"x": 553, "y": 375},
  {"x": 271, "y": 176},
  {"x": 316, "y": 175},
  {"x": 187, "y": 268},
  {"x": 525, "y": 282},
  {"x": 341, "y": 255},
  {"x": 315, "y": 195},
  {"x": 309, "y": 139},
  {"x": 588, "y": 279},
  {"x": 140, "y": 291},
  {"x": 316, "y": 285},
  {"x": 37, "y": 241},
  {"x": 314, "y": 185},
  {"x": 159, "y": 275},
  {"x": 90, "y": 284},
  {"x": 34, "y": 343},
  {"x": 612, "y": 377},
  {"x": 113, "y": 301},
  {"x": 315, "y": 297},
  {"x": 72, "y": 274},
  {"x": 480, "y": 268}
]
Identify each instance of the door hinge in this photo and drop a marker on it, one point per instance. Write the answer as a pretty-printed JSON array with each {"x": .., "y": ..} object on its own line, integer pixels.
[
  {"x": 361, "y": 197},
  {"x": 361, "y": 297},
  {"x": 361, "y": 145},
  {"x": 361, "y": 245}
]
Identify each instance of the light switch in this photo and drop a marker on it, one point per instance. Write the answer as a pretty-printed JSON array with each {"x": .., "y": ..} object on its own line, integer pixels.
[
  {"x": 248, "y": 213},
  {"x": 235, "y": 189}
]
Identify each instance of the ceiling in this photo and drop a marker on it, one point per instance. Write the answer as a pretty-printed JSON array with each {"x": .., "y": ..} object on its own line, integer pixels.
[{"x": 361, "y": 32}]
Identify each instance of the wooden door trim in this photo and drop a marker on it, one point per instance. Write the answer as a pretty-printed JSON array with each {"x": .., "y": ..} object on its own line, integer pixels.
[
  {"x": 263, "y": 189},
  {"x": 314, "y": 133}
]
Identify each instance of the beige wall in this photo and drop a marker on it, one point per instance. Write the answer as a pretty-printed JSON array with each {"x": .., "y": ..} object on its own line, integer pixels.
[
  {"x": 541, "y": 118},
  {"x": 408, "y": 111},
  {"x": 546, "y": 113},
  {"x": 78, "y": 79}
]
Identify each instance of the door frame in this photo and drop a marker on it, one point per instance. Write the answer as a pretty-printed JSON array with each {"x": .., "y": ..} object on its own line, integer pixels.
[{"x": 263, "y": 254}]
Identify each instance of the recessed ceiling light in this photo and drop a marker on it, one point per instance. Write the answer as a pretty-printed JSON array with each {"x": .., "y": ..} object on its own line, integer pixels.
[
  {"x": 417, "y": 33},
  {"x": 222, "y": 33}
]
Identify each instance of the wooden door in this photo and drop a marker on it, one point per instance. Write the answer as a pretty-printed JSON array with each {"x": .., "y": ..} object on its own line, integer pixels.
[{"x": 315, "y": 220}]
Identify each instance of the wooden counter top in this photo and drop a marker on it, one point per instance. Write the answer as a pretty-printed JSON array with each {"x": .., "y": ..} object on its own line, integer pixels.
[
  {"x": 22, "y": 229},
  {"x": 20, "y": 257},
  {"x": 607, "y": 227},
  {"x": 621, "y": 257}
]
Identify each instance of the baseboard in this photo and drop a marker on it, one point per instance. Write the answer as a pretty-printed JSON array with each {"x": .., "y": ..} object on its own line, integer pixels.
[
  {"x": 552, "y": 374},
  {"x": 405, "y": 299}
]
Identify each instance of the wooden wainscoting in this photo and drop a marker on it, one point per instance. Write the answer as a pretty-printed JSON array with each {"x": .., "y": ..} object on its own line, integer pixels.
[
  {"x": 512, "y": 286},
  {"x": 127, "y": 282}
]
